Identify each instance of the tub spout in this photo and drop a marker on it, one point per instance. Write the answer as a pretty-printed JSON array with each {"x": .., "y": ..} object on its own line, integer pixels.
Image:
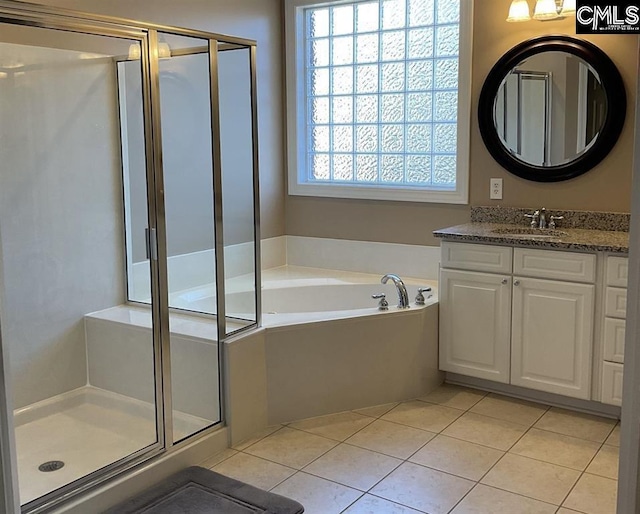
[{"x": 403, "y": 296}]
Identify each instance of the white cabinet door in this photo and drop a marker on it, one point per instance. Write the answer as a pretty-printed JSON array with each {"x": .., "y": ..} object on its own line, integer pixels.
[
  {"x": 612, "y": 383},
  {"x": 475, "y": 324},
  {"x": 552, "y": 334}
]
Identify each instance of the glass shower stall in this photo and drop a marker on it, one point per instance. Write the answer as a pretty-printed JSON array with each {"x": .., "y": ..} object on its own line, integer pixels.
[{"x": 129, "y": 241}]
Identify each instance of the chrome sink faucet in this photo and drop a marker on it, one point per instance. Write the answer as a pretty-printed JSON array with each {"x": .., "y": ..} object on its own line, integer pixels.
[
  {"x": 539, "y": 219},
  {"x": 403, "y": 296},
  {"x": 542, "y": 218}
]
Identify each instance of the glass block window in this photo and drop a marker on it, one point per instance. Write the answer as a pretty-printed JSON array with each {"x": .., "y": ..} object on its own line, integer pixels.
[{"x": 381, "y": 93}]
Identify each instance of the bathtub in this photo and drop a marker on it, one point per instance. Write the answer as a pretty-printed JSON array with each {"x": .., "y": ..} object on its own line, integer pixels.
[
  {"x": 293, "y": 294},
  {"x": 327, "y": 348},
  {"x": 324, "y": 346}
]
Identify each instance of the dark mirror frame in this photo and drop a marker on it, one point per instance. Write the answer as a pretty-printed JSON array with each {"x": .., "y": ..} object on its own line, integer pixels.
[{"x": 616, "y": 107}]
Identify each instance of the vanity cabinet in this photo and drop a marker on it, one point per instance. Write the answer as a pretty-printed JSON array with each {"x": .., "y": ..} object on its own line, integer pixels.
[
  {"x": 552, "y": 335},
  {"x": 529, "y": 324},
  {"x": 613, "y": 334},
  {"x": 475, "y": 324}
]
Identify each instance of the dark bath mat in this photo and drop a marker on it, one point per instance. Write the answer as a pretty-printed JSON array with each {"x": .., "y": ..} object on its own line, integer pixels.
[{"x": 201, "y": 491}]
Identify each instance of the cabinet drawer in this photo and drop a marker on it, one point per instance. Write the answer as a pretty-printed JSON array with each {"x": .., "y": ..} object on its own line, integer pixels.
[
  {"x": 575, "y": 267},
  {"x": 615, "y": 303},
  {"x": 476, "y": 257},
  {"x": 612, "y": 383},
  {"x": 617, "y": 271},
  {"x": 614, "y": 340}
]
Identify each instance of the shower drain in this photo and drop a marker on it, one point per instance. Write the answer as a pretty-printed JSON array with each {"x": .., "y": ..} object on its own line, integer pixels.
[{"x": 52, "y": 465}]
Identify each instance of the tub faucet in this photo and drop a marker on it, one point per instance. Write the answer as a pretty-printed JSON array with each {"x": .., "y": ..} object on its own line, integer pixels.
[{"x": 403, "y": 296}]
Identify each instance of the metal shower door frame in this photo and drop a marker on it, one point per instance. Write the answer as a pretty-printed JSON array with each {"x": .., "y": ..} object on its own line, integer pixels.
[{"x": 18, "y": 13}]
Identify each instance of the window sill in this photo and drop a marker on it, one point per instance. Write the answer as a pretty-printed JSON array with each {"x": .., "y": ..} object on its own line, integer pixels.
[{"x": 364, "y": 192}]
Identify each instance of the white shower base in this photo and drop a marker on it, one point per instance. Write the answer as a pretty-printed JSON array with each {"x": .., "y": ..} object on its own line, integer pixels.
[{"x": 87, "y": 429}]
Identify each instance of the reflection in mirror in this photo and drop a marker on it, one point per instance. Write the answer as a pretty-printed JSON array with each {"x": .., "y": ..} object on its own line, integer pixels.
[{"x": 550, "y": 109}]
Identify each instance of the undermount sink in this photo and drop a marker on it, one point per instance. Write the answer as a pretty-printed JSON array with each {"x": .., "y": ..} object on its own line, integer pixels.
[{"x": 538, "y": 233}]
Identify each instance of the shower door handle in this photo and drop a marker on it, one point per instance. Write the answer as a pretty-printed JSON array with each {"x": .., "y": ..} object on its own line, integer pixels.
[{"x": 151, "y": 243}]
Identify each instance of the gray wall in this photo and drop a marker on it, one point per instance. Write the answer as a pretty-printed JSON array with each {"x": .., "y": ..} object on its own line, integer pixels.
[
  {"x": 235, "y": 140},
  {"x": 60, "y": 217},
  {"x": 133, "y": 155},
  {"x": 186, "y": 153},
  {"x": 186, "y": 143},
  {"x": 605, "y": 188},
  {"x": 253, "y": 19}
]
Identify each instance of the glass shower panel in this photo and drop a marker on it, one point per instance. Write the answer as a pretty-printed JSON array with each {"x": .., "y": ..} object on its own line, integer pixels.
[
  {"x": 236, "y": 140},
  {"x": 81, "y": 360},
  {"x": 185, "y": 107},
  {"x": 134, "y": 181}
]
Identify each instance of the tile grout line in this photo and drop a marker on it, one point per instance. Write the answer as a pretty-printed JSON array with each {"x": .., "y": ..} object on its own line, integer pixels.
[
  {"x": 223, "y": 460},
  {"x": 396, "y": 502},
  {"x": 479, "y": 481},
  {"x": 589, "y": 464},
  {"x": 434, "y": 434},
  {"x": 256, "y": 442},
  {"x": 402, "y": 461},
  {"x": 407, "y": 460},
  {"x": 508, "y": 451},
  {"x": 521, "y": 495}
]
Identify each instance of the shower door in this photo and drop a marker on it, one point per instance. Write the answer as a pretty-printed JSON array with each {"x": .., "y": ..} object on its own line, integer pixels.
[
  {"x": 123, "y": 148},
  {"x": 83, "y": 365}
]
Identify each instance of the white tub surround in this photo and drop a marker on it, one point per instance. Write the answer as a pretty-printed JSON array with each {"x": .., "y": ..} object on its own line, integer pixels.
[
  {"x": 364, "y": 256},
  {"x": 197, "y": 269},
  {"x": 316, "y": 361},
  {"x": 325, "y": 347},
  {"x": 245, "y": 374},
  {"x": 345, "y": 364},
  {"x": 120, "y": 359}
]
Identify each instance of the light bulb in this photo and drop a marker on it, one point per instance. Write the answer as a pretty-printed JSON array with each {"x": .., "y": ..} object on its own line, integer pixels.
[
  {"x": 164, "y": 51},
  {"x": 568, "y": 7},
  {"x": 545, "y": 10},
  {"x": 134, "y": 51},
  {"x": 519, "y": 11}
]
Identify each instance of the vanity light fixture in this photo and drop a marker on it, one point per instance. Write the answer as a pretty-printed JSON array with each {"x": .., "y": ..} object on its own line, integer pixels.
[
  {"x": 568, "y": 7},
  {"x": 519, "y": 11},
  {"x": 544, "y": 10}
]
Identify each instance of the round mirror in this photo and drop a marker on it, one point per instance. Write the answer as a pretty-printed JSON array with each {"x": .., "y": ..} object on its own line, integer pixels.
[{"x": 552, "y": 108}]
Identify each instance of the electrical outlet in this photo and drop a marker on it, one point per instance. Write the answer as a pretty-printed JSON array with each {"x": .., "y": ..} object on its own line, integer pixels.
[{"x": 495, "y": 191}]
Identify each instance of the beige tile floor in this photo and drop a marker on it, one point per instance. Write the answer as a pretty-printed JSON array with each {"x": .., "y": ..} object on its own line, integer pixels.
[{"x": 455, "y": 451}]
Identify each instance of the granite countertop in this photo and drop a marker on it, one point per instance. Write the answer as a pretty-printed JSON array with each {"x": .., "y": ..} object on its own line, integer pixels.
[{"x": 562, "y": 238}]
